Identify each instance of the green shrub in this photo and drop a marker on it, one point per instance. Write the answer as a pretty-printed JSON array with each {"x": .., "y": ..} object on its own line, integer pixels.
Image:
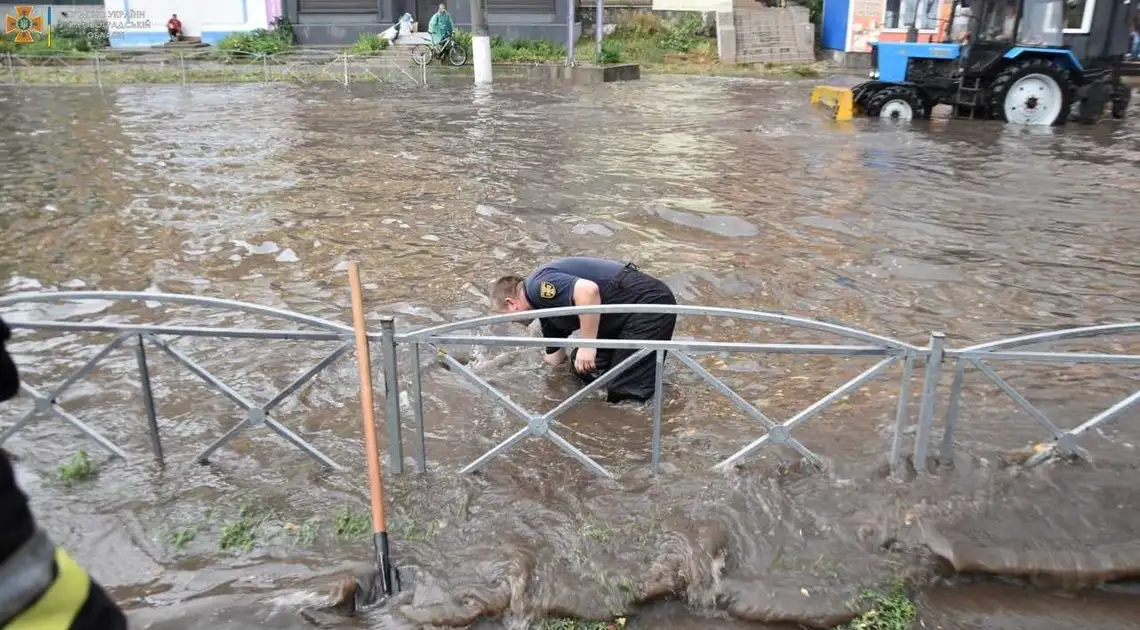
[
  {"x": 284, "y": 29},
  {"x": 684, "y": 34},
  {"x": 611, "y": 52},
  {"x": 523, "y": 50},
  {"x": 639, "y": 24},
  {"x": 463, "y": 38},
  {"x": 368, "y": 44},
  {"x": 256, "y": 42}
]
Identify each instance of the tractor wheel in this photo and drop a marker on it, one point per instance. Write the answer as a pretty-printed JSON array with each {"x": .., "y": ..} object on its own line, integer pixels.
[
  {"x": 1032, "y": 92},
  {"x": 1121, "y": 97},
  {"x": 898, "y": 102}
]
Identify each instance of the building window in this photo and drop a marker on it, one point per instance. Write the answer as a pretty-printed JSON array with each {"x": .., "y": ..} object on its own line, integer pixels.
[
  {"x": 1078, "y": 15},
  {"x": 901, "y": 14}
]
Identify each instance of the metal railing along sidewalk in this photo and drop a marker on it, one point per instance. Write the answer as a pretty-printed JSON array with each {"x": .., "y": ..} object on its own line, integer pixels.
[{"x": 855, "y": 343}]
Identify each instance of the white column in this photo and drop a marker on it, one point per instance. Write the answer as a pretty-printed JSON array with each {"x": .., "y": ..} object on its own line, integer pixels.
[{"x": 481, "y": 49}]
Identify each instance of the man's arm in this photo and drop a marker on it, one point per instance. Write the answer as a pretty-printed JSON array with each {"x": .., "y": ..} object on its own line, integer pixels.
[
  {"x": 554, "y": 356},
  {"x": 587, "y": 293}
]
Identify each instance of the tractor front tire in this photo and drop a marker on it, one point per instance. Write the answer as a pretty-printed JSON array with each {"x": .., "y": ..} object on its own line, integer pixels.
[
  {"x": 1121, "y": 97},
  {"x": 897, "y": 102},
  {"x": 1032, "y": 92}
]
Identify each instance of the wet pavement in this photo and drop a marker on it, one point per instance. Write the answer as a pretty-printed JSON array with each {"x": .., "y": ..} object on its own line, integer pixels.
[{"x": 733, "y": 192}]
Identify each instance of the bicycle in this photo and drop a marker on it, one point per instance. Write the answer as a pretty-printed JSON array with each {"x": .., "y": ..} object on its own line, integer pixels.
[{"x": 455, "y": 54}]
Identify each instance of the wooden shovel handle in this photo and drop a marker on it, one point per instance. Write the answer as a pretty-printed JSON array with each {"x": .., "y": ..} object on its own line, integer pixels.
[{"x": 367, "y": 410}]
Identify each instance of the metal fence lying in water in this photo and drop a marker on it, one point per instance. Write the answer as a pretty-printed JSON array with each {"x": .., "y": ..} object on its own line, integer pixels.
[
  {"x": 889, "y": 352},
  {"x": 104, "y": 69}
]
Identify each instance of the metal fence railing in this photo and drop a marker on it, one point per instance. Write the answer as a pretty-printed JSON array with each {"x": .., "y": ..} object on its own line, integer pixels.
[
  {"x": 187, "y": 68},
  {"x": 856, "y": 343}
]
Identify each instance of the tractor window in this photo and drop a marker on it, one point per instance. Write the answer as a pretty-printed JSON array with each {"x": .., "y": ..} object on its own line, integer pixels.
[
  {"x": 998, "y": 20},
  {"x": 902, "y": 13},
  {"x": 1041, "y": 23}
]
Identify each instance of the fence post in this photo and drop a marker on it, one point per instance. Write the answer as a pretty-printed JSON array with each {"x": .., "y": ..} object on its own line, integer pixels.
[
  {"x": 418, "y": 409},
  {"x": 11, "y": 68},
  {"x": 947, "y": 455},
  {"x": 344, "y": 59},
  {"x": 148, "y": 400},
  {"x": 182, "y": 68},
  {"x": 929, "y": 391},
  {"x": 658, "y": 401},
  {"x": 99, "y": 73},
  {"x": 901, "y": 413},
  {"x": 391, "y": 394}
]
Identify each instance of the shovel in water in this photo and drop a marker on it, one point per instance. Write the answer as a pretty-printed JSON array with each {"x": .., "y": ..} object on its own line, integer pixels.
[{"x": 382, "y": 580}]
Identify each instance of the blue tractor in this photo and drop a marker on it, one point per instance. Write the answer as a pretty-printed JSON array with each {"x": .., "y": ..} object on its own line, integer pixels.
[{"x": 1021, "y": 61}]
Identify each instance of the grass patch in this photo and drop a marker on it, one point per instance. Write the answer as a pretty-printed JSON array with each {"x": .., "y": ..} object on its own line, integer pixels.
[
  {"x": 563, "y": 623},
  {"x": 242, "y": 534},
  {"x": 890, "y": 609},
  {"x": 411, "y": 530},
  {"x": 78, "y": 469},
  {"x": 350, "y": 524},
  {"x": 309, "y": 532},
  {"x": 597, "y": 533},
  {"x": 368, "y": 44},
  {"x": 181, "y": 538},
  {"x": 239, "y": 535}
]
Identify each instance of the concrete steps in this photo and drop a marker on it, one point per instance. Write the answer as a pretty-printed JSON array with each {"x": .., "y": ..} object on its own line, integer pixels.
[{"x": 186, "y": 43}]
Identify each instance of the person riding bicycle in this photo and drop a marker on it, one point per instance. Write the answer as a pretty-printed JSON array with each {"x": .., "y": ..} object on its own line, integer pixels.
[{"x": 440, "y": 26}]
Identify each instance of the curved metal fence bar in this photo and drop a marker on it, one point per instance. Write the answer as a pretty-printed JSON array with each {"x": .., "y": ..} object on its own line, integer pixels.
[
  {"x": 435, "y": 338},
  {"x": 255, "y": 415},
  {"x": 660, "y": 309},
  {"x": 1062, "y": 442},
  {"x": 1050, "y": 336},
  {"x": 178, "y": 331},
  {"x": 175, "y": 298}
]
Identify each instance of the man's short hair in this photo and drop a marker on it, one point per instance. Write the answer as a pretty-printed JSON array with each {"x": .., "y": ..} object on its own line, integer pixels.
[{"x": 503, "y": 288}]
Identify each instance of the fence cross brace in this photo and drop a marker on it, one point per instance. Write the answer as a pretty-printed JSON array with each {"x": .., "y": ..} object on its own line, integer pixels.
[
  {"x": 257, "y": 415},
  {"x": 538, "y": 425},
  {"x": 779, "y": 433},
  {"x": 47, "y": 403}
]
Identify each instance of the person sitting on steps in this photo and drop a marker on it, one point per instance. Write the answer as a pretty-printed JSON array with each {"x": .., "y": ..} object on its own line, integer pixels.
[{"x": 174, "y": 28}]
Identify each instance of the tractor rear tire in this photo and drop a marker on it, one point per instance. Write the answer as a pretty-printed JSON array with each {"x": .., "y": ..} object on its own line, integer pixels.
[
  {"x": 898, "y": 102},
  {"x": 1025, "y": 75},
  {"x": 1121, "y": 97}
]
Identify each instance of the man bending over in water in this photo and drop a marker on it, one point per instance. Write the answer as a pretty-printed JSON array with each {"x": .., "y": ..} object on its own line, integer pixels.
[{"x": 585, "y": 282}]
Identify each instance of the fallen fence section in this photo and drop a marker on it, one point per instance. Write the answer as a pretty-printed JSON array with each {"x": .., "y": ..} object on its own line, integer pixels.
[
  {"x": 857, "y": 343},
  {"x": 108, "y": 68}
]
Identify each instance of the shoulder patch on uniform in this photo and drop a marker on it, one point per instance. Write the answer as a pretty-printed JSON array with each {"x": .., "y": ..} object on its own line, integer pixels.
[{"x": 547, "y": 291}]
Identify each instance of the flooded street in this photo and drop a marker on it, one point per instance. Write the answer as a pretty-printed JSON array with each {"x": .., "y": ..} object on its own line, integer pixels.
[{"x": 730, "y": 190}]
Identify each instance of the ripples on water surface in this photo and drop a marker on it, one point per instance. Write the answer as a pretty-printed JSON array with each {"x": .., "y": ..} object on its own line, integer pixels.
[{"x": 730, "y": 190}]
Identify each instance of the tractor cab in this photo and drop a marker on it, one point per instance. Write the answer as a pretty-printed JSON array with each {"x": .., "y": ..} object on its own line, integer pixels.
[{"x": 998, "y": 28}]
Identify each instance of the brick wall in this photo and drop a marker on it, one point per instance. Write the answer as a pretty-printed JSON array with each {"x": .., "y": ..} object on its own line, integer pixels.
[{"x": 754, "y": 33}]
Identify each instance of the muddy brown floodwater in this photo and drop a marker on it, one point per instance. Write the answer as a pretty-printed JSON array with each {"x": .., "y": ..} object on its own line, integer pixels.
[{"x": 730, "y": 190}]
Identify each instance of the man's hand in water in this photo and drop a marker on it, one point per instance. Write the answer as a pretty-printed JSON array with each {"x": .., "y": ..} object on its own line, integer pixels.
[{"x": 584, "y": 360}]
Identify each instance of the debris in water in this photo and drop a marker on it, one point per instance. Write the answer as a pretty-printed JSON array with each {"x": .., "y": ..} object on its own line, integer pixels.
[{"x": 287, "y": 256}]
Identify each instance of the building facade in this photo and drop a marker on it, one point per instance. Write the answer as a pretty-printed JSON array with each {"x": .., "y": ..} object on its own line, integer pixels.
[
  {"x": 341, "y": 22},
  {"x": 135, "y": 23}
]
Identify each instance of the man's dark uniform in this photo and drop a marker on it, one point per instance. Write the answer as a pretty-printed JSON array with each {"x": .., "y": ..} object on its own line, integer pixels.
[
  {"x": 41, "y": 588},
  {"x": 552, "y": 286}
]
